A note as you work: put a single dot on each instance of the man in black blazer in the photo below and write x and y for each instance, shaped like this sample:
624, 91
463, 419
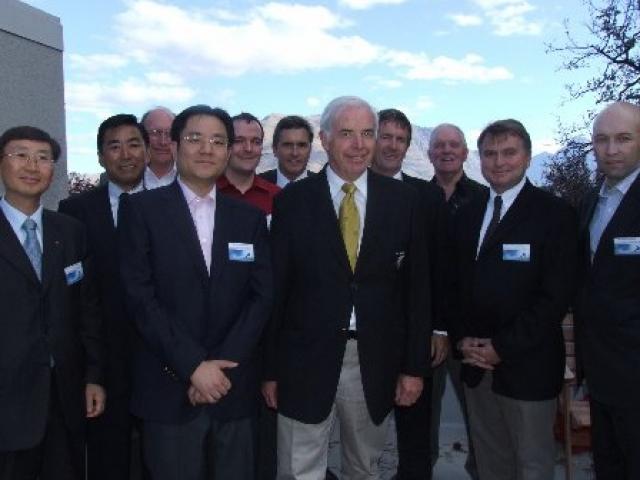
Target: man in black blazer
608, 307
349, 334
292, 140
121, 146
196, 271
413, 422
512, 258
50, 345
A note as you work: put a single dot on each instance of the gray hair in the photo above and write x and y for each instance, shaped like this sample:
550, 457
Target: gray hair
336, 105
159, 107
434, 133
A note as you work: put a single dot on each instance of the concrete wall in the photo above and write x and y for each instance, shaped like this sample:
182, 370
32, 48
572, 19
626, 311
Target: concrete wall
31, 79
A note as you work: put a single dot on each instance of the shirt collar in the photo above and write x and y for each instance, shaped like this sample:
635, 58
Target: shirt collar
622, 186
283, 181
398, 175
151, 174
16, 218
116, 190
509, 196
335, 182
190, 196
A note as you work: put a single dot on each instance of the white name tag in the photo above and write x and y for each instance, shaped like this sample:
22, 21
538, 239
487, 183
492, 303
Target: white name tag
241, 252
626, 246
516, 252
74, 273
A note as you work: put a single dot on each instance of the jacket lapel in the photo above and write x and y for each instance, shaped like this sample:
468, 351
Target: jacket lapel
13, 252
52, 251
176, 208
221, 235
324, 215
373, 218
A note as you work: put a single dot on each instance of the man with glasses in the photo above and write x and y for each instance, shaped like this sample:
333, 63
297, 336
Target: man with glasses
161, 169
50, 346
240, 179
122, 146
196, 270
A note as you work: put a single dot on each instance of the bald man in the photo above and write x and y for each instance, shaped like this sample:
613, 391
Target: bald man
608, 307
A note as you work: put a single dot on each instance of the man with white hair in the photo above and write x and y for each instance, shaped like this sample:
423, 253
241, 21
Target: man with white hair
349, 333
161, 170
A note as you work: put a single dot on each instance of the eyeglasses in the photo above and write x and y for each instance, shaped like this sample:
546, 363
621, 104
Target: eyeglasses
159, 133
199, 139
39, 158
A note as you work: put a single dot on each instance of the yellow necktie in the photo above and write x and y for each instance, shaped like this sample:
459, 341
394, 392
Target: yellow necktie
350, 223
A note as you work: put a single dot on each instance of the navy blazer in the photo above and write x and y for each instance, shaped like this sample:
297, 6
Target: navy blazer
183, 314
518, 304
316, 292
41, 320
607, 309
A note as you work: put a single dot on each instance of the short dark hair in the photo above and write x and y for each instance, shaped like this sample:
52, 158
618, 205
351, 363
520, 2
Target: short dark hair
394, 115
506, 127
120, 120
179, 123
247, 117
289, 123
26, 132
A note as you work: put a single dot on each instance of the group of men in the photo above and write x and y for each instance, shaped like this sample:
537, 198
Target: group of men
186, 284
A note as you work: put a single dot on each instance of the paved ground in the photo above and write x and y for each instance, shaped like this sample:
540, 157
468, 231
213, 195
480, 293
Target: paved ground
453, 450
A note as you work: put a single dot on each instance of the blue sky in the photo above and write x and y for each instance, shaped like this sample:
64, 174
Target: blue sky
466, 62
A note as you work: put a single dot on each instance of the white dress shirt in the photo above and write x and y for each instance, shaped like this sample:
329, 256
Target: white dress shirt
335, 190
16, 219
151, 181
283, 181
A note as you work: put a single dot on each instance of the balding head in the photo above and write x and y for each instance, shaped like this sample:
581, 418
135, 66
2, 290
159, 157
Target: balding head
157, 122
616, 140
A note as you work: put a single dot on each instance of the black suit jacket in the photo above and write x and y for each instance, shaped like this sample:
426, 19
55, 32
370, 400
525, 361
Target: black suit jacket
93, 209
519, 305
316, 291
185, 315
608, 307
41, 320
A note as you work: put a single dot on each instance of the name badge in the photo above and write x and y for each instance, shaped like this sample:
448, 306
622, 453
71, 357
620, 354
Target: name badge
74, 273
626, 246
241, 252
516, 252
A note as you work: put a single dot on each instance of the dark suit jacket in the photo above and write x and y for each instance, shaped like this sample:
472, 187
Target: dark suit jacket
44, 320
608, 308
93, 209
316, 291
272, 175
183, 314
519, 305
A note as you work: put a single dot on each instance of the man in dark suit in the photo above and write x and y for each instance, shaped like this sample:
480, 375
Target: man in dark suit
349, 333
50, 345
413, 422
447, 153
195, 267
292, 140
122, 152
608, 306
513, 256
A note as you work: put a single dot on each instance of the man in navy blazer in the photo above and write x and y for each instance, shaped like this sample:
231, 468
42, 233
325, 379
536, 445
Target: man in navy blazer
349, 335
195, 267
121, 143
608, 306
50, 346
513, 259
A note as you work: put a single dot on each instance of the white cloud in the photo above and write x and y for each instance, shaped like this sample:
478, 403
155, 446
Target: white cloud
463, 20
470, 68
96, 62
365, 4
313, 102
424, 103
382, 82
546, 145
508, 17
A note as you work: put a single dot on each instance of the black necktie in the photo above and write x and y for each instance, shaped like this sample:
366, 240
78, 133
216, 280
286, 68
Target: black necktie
495, 220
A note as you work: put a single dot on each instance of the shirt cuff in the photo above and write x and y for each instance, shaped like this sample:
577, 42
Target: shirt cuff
442, 333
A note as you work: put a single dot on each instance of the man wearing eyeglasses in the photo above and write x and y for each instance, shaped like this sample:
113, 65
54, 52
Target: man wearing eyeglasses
121, 143
50, 346
196, 270
240, 179
161, 169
